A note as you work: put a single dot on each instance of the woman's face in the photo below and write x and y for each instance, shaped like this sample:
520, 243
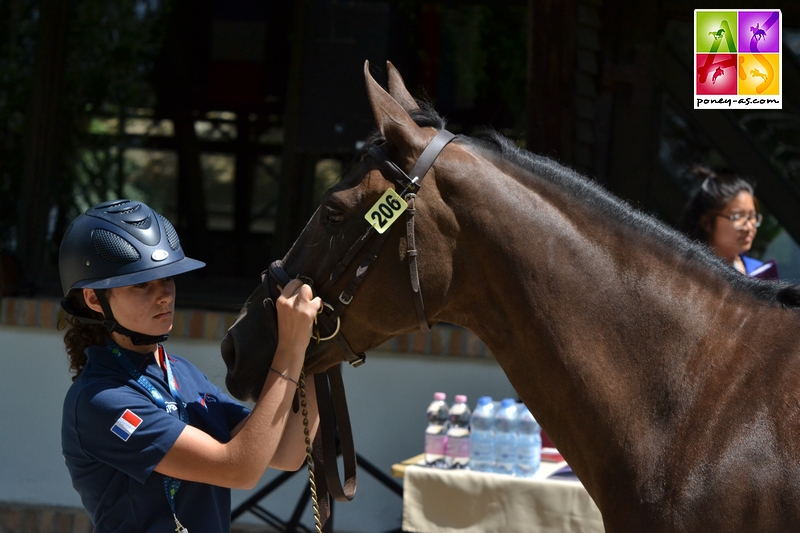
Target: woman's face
145, 308
730, 238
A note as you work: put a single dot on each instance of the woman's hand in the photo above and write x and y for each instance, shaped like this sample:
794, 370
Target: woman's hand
297, 309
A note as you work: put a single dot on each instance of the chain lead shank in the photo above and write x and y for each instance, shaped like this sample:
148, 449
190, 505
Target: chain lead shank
309, 457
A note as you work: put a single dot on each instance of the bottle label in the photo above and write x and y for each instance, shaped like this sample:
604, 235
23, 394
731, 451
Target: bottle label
481, 448
457, 447
435, 444
527, 454
505, 452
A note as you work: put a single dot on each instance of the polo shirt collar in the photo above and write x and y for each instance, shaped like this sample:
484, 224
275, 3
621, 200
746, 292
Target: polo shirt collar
102, 356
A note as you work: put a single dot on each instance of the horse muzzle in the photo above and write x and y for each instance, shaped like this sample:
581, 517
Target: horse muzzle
249, 347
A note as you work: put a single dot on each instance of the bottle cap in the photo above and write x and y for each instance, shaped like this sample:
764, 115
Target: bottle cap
483, 400
507, 402
460, 398
439, 396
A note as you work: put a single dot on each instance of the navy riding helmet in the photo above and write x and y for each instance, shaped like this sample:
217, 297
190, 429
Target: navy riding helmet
115, 244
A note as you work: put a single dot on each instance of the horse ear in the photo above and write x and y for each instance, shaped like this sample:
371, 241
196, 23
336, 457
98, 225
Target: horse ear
397, 88
393, 121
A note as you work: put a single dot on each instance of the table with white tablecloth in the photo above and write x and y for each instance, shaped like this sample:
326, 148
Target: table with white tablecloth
450, 501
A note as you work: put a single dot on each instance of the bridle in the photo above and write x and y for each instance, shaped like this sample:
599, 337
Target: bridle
331, 321
330, 390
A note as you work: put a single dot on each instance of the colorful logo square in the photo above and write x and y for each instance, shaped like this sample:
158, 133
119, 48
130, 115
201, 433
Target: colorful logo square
716, 31
716, 73
759, 74
759, 32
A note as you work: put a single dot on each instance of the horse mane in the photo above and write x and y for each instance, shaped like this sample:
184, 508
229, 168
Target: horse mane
593, 194
590, 192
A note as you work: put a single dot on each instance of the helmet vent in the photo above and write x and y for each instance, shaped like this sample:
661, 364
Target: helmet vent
172, 235
139, 223
118, 209
114, 248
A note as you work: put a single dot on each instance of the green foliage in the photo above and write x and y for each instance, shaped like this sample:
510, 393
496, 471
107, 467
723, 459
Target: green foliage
17, 49
111, 50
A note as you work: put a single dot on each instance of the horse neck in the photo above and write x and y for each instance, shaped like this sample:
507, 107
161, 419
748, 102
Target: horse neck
596, 325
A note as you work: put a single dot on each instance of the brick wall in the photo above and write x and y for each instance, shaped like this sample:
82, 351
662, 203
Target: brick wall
443, 340
22, 518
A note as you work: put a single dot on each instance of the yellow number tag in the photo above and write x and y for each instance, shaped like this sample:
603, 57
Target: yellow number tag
386, 210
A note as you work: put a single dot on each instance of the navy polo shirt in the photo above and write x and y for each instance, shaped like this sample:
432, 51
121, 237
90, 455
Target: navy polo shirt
113, 435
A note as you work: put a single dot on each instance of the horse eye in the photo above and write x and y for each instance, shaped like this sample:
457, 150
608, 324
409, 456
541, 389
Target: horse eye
335, 216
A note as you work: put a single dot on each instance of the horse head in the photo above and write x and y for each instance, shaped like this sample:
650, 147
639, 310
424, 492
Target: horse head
384, 305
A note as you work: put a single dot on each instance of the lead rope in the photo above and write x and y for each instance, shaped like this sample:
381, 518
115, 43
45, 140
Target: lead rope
309, 458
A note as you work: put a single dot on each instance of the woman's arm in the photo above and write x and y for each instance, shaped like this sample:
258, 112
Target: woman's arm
240, 463
291, 452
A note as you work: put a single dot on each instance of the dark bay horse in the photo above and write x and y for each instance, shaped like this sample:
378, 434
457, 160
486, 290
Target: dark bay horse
669, 382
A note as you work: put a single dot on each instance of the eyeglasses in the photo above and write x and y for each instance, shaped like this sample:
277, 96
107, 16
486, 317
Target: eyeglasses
739, 220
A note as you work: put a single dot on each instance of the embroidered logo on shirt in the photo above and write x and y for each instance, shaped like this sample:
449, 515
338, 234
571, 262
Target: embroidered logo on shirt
204, 399
126, 425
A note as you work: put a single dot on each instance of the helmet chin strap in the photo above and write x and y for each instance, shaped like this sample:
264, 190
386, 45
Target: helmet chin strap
112, 326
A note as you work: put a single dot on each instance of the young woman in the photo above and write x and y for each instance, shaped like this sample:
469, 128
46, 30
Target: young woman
150, 443
722, 212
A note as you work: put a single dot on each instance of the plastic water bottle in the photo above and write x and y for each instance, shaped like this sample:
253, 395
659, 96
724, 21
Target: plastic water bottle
457, 448
529, 444
505, 436
481, 436
436, 432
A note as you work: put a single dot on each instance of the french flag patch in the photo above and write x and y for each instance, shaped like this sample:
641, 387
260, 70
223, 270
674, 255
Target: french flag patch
126, 425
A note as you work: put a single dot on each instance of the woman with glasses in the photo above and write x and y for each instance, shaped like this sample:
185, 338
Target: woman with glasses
723, 212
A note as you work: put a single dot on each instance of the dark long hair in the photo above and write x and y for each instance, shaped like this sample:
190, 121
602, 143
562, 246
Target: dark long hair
80, 336
711, 196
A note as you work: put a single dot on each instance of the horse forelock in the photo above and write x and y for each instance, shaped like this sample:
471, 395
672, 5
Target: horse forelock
425, 117
593, 195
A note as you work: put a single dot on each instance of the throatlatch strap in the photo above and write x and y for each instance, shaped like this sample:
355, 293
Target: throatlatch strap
412, 263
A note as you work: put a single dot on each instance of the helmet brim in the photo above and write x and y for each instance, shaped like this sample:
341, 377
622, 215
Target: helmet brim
165, 271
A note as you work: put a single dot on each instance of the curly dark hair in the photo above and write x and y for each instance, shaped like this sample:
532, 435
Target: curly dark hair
80, 336
711, 195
